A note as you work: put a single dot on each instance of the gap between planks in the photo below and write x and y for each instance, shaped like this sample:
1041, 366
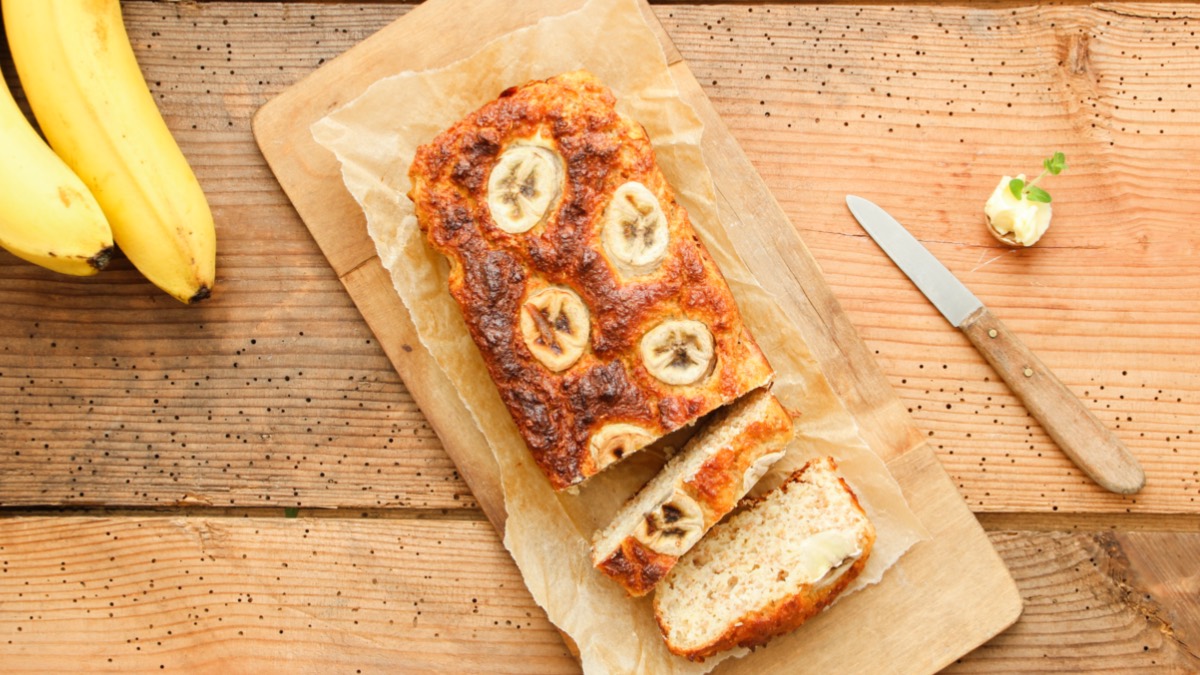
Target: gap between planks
1089, 522
855, 3
332, 513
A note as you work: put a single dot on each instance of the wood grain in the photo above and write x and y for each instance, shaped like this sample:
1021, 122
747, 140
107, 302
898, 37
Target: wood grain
321, 595
273, 393
1097, 299
1098, 601
266, 594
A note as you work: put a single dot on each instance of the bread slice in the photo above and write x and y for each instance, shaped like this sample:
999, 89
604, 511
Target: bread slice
695, 489
768, 568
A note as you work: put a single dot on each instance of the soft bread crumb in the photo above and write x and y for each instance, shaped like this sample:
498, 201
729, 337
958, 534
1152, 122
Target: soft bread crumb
769, 566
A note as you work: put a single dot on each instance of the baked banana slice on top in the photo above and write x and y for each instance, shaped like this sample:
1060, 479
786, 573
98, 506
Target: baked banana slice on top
602, 319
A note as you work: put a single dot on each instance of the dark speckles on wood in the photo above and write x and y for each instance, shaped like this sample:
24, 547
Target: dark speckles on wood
162, 587
160, 419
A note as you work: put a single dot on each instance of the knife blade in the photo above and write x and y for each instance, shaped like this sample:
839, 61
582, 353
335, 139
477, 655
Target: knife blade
1091, 445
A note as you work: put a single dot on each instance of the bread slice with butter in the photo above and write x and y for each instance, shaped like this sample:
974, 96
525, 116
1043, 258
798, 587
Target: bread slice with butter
696, 488
768, 568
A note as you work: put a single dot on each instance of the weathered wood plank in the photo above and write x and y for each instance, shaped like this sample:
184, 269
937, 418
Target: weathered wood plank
203, 594
319, 595
1104, 601
82, 391
922, 108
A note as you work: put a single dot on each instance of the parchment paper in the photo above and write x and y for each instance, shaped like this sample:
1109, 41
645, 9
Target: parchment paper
375, 137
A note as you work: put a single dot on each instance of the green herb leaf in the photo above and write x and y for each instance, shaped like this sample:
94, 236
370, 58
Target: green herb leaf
291, 512
1016, 186
1056, 164
1037, 194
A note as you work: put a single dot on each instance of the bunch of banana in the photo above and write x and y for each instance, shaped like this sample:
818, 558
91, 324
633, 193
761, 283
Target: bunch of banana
47, 215
89, 97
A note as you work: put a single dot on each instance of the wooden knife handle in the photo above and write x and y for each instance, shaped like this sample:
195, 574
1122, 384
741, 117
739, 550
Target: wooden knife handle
1091, 445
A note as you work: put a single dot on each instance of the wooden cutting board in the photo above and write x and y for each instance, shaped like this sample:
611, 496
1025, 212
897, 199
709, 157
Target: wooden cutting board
942, 599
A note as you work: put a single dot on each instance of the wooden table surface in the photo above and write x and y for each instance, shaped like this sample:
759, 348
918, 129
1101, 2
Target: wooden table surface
246, 485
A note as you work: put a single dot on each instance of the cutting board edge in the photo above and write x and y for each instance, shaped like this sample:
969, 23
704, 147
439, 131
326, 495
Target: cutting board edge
1009, 604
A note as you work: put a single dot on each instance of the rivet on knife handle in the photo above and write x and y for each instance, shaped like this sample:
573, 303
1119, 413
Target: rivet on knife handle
1091, 445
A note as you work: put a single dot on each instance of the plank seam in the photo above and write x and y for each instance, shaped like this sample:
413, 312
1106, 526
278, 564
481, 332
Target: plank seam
459, 514
1089, 522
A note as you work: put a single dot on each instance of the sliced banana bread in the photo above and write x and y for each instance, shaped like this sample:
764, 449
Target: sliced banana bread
768, 568
695, 489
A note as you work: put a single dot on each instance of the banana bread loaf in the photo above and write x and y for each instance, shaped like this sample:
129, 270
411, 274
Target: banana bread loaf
600, 315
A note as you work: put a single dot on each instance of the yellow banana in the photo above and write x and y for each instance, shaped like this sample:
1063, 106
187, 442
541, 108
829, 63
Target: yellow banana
47, 215
92, 103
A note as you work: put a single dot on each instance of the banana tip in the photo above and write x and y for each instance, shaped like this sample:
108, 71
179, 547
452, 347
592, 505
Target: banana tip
203, 293
100, 260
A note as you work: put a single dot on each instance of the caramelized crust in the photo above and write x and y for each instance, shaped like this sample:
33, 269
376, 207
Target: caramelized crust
493, 273
637, 567
756, 629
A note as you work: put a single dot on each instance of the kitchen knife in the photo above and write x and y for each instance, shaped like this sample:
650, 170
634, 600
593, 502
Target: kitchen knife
1081, 436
